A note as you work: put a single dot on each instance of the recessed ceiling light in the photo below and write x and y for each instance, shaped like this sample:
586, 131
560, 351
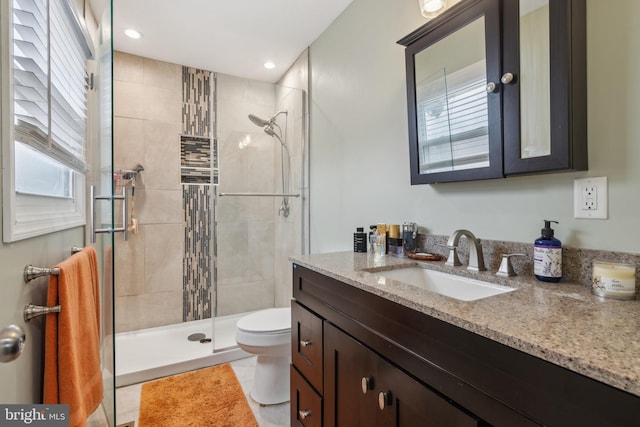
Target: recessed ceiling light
269, 65
132, 33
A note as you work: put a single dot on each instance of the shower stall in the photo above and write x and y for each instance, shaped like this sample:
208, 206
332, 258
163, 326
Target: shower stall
221, 204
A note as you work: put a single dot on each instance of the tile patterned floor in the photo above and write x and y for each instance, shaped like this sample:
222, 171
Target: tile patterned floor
128, 399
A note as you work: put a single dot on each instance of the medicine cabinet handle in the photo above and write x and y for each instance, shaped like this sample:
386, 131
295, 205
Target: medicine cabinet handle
305, 343
507, 78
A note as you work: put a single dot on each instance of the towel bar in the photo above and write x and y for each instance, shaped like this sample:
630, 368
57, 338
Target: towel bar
31, 311
31, 272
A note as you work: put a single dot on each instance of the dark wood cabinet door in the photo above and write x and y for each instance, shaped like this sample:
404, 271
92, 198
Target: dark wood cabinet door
362, 389
566, 135
405, 402
349, 375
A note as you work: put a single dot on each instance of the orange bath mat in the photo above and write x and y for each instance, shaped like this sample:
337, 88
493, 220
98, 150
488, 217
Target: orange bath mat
207, 397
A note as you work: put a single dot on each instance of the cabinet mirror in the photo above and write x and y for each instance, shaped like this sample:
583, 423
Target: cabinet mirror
497, 88
454, 115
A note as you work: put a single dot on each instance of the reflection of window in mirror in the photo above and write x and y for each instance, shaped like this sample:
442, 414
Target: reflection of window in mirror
535, 92
451, 107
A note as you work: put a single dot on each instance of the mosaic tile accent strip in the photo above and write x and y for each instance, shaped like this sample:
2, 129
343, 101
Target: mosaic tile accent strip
196, 111
197, 262
195, 160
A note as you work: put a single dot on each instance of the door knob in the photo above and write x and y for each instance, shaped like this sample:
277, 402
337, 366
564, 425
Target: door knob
305, 343
12, 340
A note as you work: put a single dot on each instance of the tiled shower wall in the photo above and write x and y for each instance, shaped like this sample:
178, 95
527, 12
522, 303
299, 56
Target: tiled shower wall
163, 273
147, 128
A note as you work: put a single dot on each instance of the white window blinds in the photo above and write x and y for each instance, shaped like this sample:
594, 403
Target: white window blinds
452, 120
50, 56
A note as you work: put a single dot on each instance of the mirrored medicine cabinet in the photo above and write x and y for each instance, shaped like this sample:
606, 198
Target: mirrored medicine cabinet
497, 88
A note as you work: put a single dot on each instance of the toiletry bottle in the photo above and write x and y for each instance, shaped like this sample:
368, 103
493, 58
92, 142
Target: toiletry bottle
384, 234
372, 232
547, 255
395, 240
360, 240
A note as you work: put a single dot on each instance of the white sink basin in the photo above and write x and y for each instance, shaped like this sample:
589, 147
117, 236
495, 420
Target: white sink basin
461, 288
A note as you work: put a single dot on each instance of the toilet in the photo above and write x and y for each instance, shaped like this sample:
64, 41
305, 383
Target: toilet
267, 334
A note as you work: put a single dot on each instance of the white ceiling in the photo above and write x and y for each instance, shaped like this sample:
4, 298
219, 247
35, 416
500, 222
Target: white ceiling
233, 37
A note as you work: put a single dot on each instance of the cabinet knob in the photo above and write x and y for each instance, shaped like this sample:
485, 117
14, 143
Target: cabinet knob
305, 343
491, 87
366, 384
506, 78
304, 413
384, 400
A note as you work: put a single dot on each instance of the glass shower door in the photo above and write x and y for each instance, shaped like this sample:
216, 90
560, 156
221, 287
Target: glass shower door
102, 180
260, 199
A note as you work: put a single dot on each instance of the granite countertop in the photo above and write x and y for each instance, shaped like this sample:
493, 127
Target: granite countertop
562, 323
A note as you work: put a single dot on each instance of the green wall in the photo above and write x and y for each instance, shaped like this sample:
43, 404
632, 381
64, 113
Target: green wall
359, 172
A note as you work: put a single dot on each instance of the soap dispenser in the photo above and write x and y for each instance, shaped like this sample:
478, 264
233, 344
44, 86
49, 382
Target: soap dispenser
547, 255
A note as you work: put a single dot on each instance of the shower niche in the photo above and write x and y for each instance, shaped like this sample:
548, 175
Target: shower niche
198, 160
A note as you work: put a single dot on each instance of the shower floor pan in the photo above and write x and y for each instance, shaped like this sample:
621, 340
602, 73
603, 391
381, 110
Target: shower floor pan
153, 353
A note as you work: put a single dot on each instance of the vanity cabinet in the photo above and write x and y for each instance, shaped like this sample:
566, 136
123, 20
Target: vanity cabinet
364, 389
497, 88
385, 364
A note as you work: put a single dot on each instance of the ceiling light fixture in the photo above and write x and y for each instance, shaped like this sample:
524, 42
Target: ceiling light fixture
269, 65
432, 8
132, 33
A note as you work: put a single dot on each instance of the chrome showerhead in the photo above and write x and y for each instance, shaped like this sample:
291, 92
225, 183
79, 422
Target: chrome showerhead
258, 121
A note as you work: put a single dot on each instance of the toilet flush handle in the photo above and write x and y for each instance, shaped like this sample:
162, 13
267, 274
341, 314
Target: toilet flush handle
305, 343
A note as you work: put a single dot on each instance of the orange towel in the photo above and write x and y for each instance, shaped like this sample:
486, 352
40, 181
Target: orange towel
72, 338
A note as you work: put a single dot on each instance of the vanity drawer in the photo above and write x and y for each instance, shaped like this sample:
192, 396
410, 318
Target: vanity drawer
306, 344
306, 404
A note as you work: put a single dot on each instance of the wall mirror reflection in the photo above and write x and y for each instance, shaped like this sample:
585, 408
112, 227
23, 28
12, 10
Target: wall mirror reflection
534, 76
451, 102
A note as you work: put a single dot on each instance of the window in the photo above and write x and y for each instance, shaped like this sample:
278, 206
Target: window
45, 118
452, 120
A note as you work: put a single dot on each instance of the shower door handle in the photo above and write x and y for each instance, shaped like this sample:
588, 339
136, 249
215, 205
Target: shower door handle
125, 215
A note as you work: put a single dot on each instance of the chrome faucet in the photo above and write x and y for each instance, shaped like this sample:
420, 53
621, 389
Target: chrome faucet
476, 259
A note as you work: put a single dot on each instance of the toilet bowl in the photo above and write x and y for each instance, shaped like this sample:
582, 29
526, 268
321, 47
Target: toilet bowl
267, 334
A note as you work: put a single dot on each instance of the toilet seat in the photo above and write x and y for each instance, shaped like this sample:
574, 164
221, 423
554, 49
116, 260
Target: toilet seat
266, 328
268, 321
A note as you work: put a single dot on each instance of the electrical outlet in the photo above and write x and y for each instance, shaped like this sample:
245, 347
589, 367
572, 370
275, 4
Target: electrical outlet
590, 198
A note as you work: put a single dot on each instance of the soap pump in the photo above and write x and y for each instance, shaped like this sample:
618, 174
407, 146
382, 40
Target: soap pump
547, 255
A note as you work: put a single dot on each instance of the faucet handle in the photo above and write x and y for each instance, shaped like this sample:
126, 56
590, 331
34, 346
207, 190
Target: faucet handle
452, 259
506, 268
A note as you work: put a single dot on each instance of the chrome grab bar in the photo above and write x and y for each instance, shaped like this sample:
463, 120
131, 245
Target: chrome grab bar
32, 311
125, 215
